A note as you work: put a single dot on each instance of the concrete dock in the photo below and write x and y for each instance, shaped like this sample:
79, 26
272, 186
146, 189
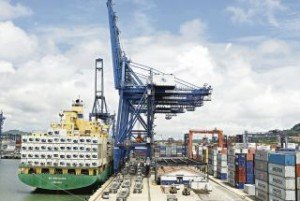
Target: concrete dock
153, 192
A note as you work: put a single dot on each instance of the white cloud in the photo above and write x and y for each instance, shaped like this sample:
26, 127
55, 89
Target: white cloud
15, 43
6, 67
9, 11
256, 11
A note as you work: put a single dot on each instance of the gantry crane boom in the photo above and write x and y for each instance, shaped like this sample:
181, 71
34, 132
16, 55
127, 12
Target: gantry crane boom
145, 90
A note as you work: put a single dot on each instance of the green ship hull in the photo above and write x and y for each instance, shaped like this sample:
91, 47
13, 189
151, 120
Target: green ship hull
64, 181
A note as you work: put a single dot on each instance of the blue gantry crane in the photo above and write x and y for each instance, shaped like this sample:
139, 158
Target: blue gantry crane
144, 92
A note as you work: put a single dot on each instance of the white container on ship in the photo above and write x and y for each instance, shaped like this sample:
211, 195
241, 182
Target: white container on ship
43, 162
261, 185
24, 161
81, 148
88, 156
281, 170
49, 162
282, 193
35, 162
62, 156
261, 195
55, 155
62, 163
30, 162
282, 182
50, 147
56, 147
88, 147
69, 155
95, 140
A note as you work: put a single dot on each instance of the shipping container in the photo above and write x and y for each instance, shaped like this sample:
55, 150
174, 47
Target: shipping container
298, 171
287, 159
261, 195
280, 170
262, 185
261, 155
282, 193
261, 165
250, 178
261, 175
274, 198
281, 182
222, 176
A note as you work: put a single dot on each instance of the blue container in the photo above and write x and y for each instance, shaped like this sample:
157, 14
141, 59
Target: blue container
239, 185
250, 179
285, 159
240, 156
222, 176
240, 163
249, 167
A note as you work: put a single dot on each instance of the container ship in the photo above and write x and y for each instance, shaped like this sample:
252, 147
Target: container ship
73, 154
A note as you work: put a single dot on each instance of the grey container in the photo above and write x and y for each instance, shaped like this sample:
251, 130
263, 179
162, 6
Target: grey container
261, 165
298, 184
261, 175
274, 198
281, 170
261, 155
261, 195
282, 193
282, 182
261, 185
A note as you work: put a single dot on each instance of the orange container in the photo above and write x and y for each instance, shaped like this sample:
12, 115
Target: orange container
250, 154
298, 170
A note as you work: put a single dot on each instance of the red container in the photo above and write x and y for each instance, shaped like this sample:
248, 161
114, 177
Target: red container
240, 178
240, 175
298, 170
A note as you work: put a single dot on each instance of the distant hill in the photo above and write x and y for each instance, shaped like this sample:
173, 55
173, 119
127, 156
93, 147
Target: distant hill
294, 131
15, 132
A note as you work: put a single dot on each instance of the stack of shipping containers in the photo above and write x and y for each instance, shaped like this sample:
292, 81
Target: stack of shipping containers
222, 168
261, 175
237, 167
240, 170
282, 181
250, 166
212, 161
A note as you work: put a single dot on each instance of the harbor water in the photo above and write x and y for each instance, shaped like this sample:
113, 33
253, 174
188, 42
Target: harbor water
11, 189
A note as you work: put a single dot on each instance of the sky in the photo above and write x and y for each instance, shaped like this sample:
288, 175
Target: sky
247, 50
